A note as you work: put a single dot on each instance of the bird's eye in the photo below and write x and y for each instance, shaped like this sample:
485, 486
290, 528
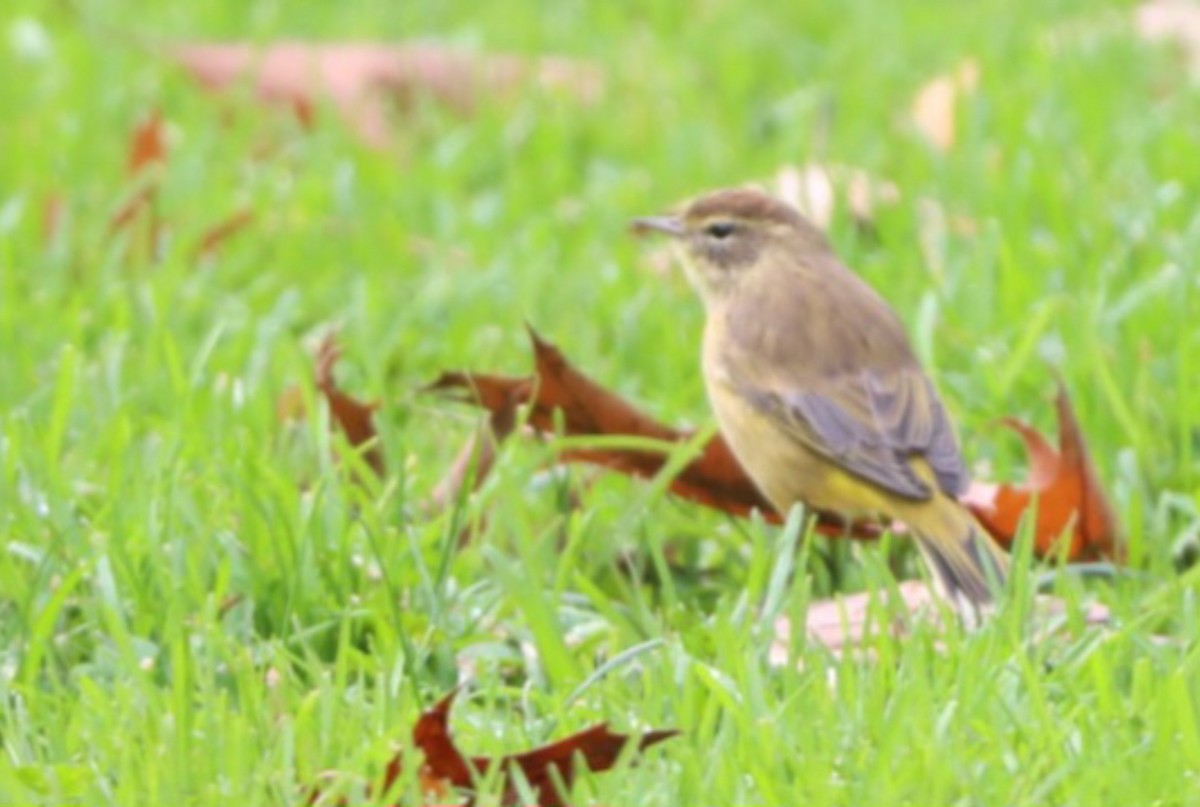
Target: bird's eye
719, 230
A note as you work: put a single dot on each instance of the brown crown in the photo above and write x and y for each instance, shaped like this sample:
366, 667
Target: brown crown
745, 204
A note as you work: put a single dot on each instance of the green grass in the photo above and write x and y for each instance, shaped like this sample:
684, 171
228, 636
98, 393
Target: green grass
199, 606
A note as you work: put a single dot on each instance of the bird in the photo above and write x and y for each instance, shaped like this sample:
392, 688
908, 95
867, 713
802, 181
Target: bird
816, 387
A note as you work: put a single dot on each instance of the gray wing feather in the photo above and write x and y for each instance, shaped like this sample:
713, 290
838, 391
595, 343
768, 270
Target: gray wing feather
873, 425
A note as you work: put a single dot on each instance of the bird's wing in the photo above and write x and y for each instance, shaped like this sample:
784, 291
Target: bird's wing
872, 423
826, 358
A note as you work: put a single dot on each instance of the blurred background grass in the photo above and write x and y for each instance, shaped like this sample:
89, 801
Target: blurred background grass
196, 605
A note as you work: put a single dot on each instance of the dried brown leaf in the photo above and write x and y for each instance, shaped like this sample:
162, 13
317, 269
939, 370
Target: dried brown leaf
846, 622
1071, 502
714, 478
146, 156
935, 108
147, 145
215, 236
1173, 21
819, 191
475, 459
355, 418
1066, 482
364, 80
597, 748
544, 768
54, 213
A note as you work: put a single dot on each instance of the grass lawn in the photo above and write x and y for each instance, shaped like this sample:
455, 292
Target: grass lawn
200, 605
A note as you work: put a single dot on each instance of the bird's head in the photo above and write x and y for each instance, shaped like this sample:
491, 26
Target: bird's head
726, 235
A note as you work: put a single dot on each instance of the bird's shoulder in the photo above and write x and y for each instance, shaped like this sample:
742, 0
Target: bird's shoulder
812, 325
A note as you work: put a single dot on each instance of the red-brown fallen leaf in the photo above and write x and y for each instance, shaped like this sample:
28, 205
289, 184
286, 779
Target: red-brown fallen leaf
475, 459
589, 409
363, 79
1067, 491
54, 209
848, 621
139, 215
219, 233
597, 748
147, 149
355, 418
1065, 481
132, 208
714, 478
543, 768
147, 145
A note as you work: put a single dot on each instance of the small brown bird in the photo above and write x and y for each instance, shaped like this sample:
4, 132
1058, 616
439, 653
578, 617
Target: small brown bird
816, 388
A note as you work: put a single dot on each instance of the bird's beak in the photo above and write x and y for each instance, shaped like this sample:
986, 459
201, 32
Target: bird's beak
661, 224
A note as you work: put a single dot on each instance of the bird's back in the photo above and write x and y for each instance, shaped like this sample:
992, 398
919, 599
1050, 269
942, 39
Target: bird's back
814, 323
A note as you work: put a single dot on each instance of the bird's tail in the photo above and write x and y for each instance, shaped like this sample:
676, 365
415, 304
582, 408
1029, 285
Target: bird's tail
965, 562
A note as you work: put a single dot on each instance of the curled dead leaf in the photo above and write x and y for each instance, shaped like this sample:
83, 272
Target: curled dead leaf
132, 208
215, 236
934, 110
474, 460
147, 144
364, 80
809, 189
1172, 21
146, 157
715, 478
846, 622
818, 191
597, 748
544, 768
54, 214
1072, 508
355, 418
